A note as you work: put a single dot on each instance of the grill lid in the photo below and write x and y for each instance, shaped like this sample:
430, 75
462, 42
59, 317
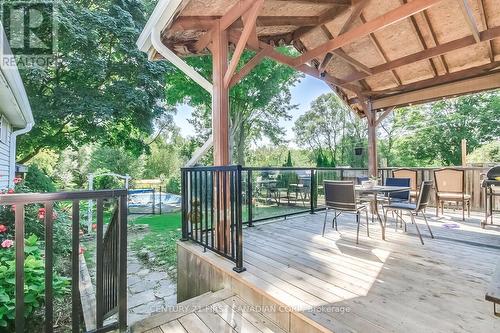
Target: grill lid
493, 173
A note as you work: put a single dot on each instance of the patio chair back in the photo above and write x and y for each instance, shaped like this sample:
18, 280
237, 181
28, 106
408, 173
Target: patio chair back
403, 182
340, 195
362, 179
450, 180
424, 195
407, 173
306, 181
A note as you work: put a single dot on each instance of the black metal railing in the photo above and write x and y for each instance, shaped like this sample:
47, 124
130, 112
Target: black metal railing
265, 193
212, 210
111, 256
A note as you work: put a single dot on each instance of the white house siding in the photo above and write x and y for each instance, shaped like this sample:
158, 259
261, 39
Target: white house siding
5, 154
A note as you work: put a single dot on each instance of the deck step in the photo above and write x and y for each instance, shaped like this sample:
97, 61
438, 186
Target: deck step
182, 309
221, 311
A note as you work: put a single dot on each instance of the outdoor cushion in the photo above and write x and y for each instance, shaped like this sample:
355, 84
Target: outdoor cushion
454, 196
402, 205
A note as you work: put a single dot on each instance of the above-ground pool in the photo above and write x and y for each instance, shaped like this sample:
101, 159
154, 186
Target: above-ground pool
143, 201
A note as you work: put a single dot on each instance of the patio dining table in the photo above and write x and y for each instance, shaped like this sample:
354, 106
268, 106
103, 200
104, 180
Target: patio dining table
375, 191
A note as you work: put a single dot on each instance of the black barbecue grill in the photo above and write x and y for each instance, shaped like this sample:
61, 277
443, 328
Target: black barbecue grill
489, 184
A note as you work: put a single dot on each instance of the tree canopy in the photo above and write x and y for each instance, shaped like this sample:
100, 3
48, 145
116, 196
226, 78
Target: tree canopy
431, 134
331, 131
101, 88
257, 103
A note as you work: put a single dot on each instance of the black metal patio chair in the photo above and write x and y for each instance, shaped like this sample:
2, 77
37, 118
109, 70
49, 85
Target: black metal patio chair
341, 197
412, 208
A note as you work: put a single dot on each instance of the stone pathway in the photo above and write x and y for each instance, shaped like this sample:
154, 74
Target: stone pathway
149, 291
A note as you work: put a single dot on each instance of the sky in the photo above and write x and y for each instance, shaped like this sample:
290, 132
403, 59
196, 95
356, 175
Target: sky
303, 94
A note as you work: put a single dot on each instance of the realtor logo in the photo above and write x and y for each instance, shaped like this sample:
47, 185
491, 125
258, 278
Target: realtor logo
31, 30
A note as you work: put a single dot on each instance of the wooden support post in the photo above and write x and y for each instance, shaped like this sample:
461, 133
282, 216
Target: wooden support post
464, 152
372, 139
220, 99
220, 129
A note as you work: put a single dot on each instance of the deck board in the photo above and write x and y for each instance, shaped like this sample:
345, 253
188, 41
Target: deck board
389, 286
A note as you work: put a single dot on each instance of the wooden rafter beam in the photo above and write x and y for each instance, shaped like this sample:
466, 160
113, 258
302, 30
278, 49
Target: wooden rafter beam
381, 52
234, 13
484, 21
324, 18
462, 87
365, 29
324, 63
421, 40
429, 53
247, 68
331, 2
206, 22
242, 42
469, 18
383, 116
356, 11
287, 60
442, 79
429, 27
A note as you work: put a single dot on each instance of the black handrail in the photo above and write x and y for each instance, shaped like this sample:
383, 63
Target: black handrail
115, 243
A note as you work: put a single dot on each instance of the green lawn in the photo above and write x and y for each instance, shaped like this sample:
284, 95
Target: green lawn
164, 231
160, 223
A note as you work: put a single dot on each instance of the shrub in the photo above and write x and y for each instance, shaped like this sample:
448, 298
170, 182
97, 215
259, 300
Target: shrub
37, 181
174, 184
34, 285
34, 222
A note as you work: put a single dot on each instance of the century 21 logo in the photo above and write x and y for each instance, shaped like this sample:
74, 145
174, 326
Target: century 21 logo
30, 27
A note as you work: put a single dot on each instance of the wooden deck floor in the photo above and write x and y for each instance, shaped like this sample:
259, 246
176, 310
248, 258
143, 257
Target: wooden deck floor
222, 311
397, 285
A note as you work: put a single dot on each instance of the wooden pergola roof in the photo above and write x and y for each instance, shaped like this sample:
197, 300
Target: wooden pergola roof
390, 52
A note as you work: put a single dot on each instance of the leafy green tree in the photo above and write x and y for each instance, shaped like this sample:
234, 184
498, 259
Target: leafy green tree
101, 88
488, 153
257, 103
431, 134
288, 162
329, 129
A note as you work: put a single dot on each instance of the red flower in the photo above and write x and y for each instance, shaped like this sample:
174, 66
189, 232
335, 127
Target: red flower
10, 191
41, 213
94, 226
17, 180
3, 228
7, 243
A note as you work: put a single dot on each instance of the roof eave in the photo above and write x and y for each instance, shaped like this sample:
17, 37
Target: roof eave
162, 16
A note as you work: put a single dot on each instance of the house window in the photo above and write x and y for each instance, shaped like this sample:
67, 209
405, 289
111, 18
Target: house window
3, 129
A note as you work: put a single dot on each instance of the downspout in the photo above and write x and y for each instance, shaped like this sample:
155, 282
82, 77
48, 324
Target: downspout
13, 141
190, 72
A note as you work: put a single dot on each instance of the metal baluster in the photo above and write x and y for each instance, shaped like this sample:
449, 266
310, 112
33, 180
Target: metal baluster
224, 205
239, 225
232, 214
195, 207
250, 198
49, 263
75, 268
99, 264
206, 208
184, 206
19, 238
122, 262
